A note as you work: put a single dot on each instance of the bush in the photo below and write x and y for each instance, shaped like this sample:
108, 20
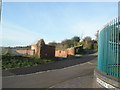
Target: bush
95, 47
88, 46
10, 61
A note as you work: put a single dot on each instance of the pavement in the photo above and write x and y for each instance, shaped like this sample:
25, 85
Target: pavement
75, 75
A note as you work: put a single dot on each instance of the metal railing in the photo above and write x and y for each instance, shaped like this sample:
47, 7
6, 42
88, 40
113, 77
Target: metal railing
109, 48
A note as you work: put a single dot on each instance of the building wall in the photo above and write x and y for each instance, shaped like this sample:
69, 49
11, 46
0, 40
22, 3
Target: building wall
61, 53
68, 52
64, 53
42, 50
47, 52
71, 51
50, 50
34, 47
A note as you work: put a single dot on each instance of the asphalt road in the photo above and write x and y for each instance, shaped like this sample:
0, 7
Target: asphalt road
59, 64
75, 76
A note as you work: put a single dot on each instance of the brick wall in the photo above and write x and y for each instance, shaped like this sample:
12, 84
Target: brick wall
61, 53
47, 51
71, 51
34, 47
25, 52
42, 50
65, 53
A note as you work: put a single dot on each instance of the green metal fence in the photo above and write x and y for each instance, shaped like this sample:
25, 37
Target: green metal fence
109, 48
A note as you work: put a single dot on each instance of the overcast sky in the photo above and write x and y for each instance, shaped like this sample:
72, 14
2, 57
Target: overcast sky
25, 22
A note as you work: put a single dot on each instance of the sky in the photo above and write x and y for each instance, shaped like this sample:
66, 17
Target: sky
23, 23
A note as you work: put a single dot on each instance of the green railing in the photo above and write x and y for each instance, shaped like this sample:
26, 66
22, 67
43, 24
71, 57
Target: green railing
109, 48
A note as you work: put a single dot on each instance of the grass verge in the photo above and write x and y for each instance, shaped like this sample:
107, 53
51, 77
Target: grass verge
12, 61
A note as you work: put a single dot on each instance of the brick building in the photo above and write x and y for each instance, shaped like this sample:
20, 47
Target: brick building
69, 52
61, 53
42, 50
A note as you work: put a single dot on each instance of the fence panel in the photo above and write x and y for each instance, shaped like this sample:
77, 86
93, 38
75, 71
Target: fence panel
109, 48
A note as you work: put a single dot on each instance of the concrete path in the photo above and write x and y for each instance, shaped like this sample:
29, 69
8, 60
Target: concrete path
77, 76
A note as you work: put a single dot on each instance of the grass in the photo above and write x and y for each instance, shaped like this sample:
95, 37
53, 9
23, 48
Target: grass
12, 61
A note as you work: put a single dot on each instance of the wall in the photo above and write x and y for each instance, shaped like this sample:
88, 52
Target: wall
47, 52
25, 52
42, 50
64, 53
61, 53
71, 51
34, 47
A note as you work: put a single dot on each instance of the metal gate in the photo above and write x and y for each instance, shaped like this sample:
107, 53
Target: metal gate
109, 48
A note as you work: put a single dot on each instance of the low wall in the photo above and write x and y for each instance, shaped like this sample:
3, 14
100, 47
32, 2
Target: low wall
25, 52
106, 81
18, 51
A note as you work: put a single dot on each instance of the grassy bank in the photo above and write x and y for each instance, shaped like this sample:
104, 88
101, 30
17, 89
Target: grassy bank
11, 61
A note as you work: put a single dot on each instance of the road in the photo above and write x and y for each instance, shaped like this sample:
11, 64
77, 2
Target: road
76, 76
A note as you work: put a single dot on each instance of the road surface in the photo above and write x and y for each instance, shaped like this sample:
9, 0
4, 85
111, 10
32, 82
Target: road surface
76, 76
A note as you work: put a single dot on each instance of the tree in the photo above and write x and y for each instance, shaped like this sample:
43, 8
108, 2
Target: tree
76, 39
88, 44
87, 39
52, 43
68, 42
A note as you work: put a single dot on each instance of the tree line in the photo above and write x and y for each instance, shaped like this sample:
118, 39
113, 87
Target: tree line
87, 43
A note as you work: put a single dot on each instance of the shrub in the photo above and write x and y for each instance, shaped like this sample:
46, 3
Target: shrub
10, 61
